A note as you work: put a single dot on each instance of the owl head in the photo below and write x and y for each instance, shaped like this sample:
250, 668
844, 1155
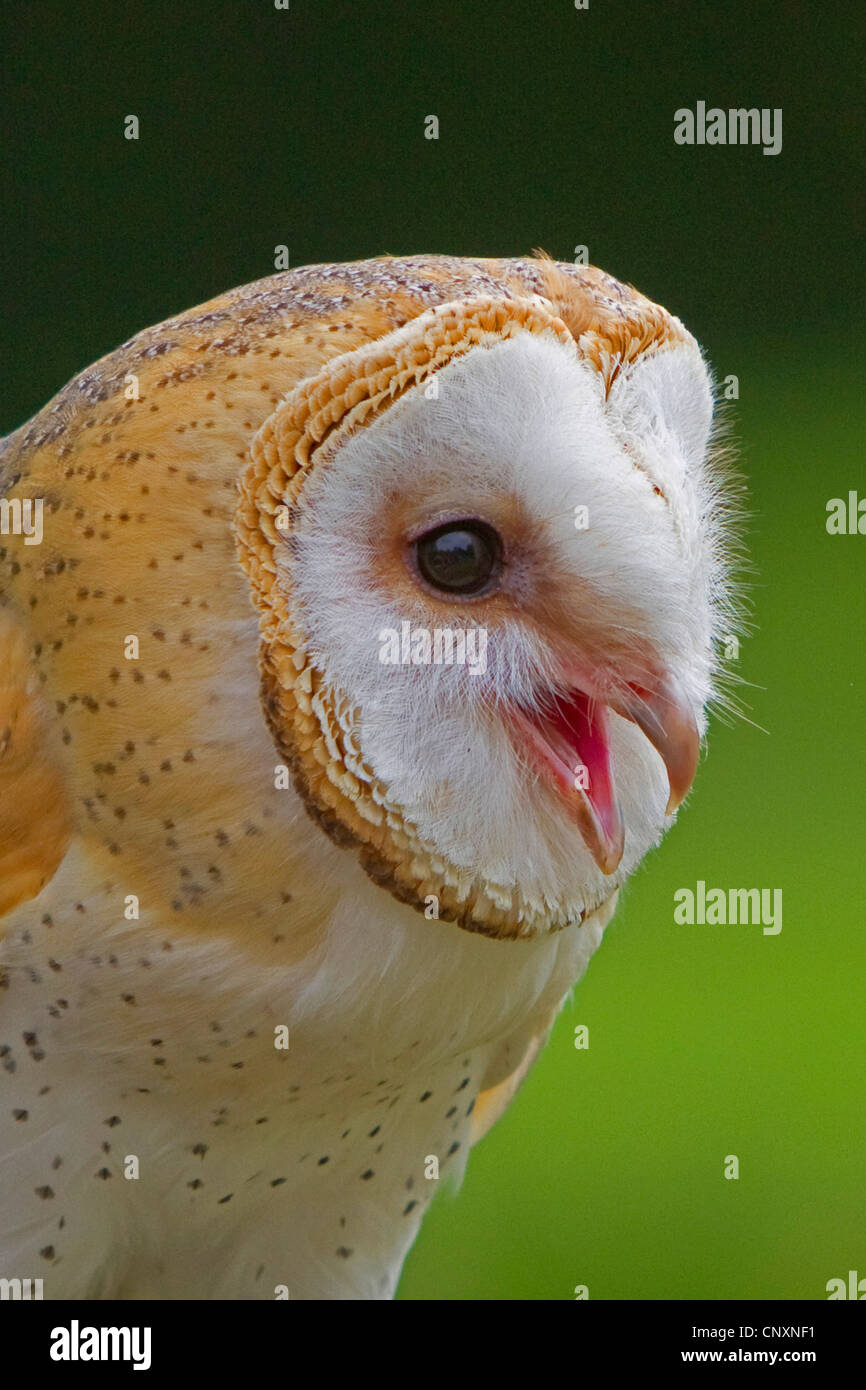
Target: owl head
487, 554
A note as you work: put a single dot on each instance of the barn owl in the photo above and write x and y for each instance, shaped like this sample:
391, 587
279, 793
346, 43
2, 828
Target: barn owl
292, 889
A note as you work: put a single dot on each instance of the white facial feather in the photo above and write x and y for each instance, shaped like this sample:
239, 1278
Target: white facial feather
525, 422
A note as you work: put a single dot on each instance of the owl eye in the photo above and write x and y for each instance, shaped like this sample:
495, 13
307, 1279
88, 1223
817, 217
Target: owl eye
461, 557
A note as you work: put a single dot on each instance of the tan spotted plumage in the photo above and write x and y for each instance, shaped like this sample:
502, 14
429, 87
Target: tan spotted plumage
172, 472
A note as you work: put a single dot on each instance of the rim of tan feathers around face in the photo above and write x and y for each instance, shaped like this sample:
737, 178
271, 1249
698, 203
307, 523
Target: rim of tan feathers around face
314, 726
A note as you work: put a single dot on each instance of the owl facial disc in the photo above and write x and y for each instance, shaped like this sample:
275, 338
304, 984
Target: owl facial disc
405, 807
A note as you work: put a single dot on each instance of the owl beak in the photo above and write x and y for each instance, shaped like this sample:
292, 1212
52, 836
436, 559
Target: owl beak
665, 716
570, 743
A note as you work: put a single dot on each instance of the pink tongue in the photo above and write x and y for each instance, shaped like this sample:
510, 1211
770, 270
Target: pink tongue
587, 737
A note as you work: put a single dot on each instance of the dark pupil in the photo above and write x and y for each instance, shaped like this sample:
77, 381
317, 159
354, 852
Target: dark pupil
459, 559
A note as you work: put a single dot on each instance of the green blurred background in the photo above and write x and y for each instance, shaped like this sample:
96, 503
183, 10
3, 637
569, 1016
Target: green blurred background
305, 127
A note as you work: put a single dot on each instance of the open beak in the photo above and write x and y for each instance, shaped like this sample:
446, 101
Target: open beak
570, 743
665, 716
